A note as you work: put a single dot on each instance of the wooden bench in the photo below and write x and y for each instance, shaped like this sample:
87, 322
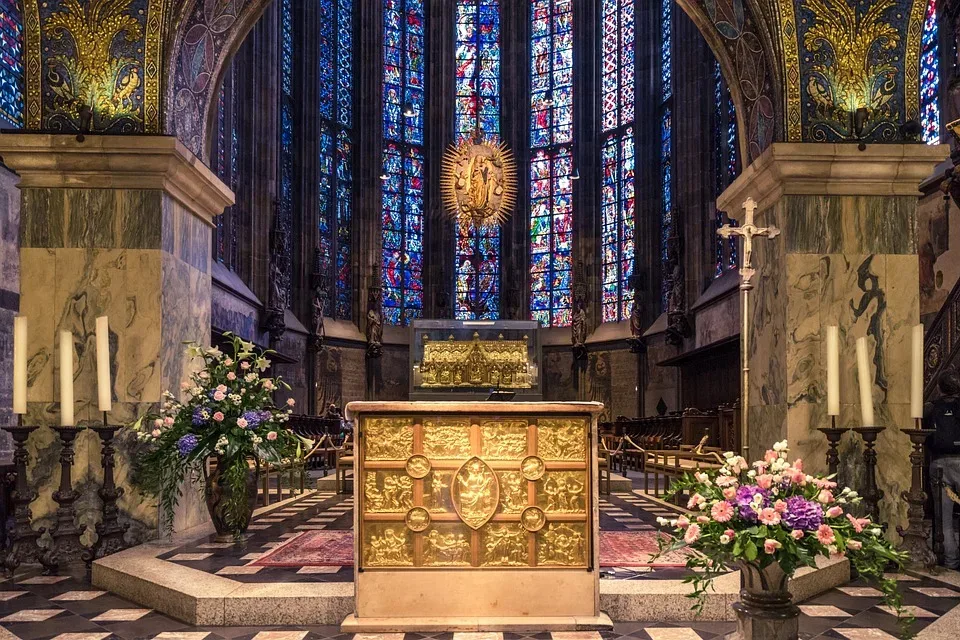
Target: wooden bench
673, 463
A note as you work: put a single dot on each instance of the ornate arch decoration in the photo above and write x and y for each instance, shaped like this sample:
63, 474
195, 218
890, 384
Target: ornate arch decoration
207, 35
105, 54
738, 38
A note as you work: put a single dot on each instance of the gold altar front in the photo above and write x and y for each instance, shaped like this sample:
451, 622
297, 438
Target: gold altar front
473, 512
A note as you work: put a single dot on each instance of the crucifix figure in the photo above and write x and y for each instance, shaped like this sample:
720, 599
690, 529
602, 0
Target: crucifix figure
747, 231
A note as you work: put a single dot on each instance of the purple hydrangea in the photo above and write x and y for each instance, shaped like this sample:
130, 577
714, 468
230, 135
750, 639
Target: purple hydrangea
186, 444
745, 495
253, 418
802, 514
200, 416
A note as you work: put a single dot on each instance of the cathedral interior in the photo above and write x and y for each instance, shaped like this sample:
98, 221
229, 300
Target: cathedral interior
661, 206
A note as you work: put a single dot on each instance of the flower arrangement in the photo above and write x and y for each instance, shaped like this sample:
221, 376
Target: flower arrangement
775, 512
227, 413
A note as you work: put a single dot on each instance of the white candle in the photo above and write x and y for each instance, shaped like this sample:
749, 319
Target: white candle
833, 371
103, 364
866, 384
66, 379
916, 373
20, 364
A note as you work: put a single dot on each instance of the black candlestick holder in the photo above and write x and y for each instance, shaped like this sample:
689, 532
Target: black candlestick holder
916, 534
110, 531
872, 494
66, 544
22, 538
834, 435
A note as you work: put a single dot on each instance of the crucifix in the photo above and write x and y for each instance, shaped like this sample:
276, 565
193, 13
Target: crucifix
747, 231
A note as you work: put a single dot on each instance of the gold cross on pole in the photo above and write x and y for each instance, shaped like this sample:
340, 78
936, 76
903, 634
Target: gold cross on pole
747, 231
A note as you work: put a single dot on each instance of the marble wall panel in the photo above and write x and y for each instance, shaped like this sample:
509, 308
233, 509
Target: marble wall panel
186, 236
848, 224
9, 233
938, 242
185, 317
230, 313
768, 318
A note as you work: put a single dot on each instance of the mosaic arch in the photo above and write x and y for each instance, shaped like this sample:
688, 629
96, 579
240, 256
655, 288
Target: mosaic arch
210, 31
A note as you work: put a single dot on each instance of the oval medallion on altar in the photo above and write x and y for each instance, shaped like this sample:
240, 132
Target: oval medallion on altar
476, 492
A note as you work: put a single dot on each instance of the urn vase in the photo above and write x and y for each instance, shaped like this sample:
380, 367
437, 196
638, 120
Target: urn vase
766, 610
219, 495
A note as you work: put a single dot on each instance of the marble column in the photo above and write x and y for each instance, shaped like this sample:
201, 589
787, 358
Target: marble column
846, 256
121, 226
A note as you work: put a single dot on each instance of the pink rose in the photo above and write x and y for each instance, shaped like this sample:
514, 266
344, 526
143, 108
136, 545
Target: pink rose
770, 546
218, 395
231, 376
683, 522
703, 519
858, 523
730, 532
834, 512
730, 493
855, 545
242, 423
244, 365
291, 402
692, 534
779, 506
155, 433
228, 362
158, 422
694, 501
825, 535
798, 464
722, 511
797, 477
218, 416
765, 481
268, 384
272, 435
222, 388
796, 534
168, 421
769, 517
825, 497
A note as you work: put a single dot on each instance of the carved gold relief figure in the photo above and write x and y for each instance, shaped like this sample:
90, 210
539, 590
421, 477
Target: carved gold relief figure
387, 546
417, 519
503, 545
479, 182
435, 494
562, 439
532, 468
562, 492
447, 439
513, 492
561, 544
445, 546
388, 438
533, 519
476, 363
418, 466
506, 440
387, 492
475, 492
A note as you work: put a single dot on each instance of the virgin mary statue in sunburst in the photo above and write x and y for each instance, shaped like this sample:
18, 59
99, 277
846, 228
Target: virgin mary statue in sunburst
479, 182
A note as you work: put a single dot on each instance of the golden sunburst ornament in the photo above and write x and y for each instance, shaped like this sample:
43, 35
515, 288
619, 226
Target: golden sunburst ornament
479, 182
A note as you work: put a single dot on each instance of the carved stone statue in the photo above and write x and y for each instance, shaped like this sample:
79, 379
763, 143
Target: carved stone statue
317, 331
677, 326
578, 323
277, 302
636, 339
375, 316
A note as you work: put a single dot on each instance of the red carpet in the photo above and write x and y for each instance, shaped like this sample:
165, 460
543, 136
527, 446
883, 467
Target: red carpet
335, 548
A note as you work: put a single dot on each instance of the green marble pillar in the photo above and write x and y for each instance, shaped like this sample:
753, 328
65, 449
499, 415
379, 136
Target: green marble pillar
118, 226
846, 256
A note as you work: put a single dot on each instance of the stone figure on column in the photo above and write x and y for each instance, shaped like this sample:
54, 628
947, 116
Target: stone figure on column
677, 326
278, 301
320, 298
636, 340
375, 315
578, 324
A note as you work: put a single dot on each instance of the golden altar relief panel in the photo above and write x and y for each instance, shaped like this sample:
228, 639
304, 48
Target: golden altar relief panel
436, 492
532, 468
418, 466
562, 492
417, 519
563, 544
475, 492
446, 439
475, 363
388, 438
533, 519
513, 492
447, 545
387, 545
503, 439
562, 439
387, 491
504, 545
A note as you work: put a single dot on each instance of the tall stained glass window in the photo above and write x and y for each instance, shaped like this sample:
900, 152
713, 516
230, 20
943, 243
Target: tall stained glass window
11, 62
725, 149
285, 200
477, 113
551, 161
402, 177
617, 157
930, 76
226, 152
666, 130
335, 211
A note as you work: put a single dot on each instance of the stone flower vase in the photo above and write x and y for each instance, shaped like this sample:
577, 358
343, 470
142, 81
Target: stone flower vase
217, 494
766, 610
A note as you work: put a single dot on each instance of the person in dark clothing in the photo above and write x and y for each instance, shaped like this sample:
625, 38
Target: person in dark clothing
943, 414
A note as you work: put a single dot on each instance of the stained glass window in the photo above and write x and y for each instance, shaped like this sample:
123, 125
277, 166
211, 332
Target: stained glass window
617, 157
225, 154
930, 76
11, 62
666, 130
551, 166
334, 215
402, 176
477, 112
285, 199
725, 150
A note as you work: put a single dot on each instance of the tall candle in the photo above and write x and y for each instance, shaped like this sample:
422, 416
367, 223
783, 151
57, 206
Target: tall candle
66, 379
20, 364
833, 371
866, 384
916, 373
103, 364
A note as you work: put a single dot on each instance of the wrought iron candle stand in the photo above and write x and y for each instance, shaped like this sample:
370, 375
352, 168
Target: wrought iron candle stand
872, 494
916, 534
22, 539
66, 534
110, 531
834, 435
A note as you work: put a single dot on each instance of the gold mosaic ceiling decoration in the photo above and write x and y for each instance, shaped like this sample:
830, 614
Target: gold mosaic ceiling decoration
479, 182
